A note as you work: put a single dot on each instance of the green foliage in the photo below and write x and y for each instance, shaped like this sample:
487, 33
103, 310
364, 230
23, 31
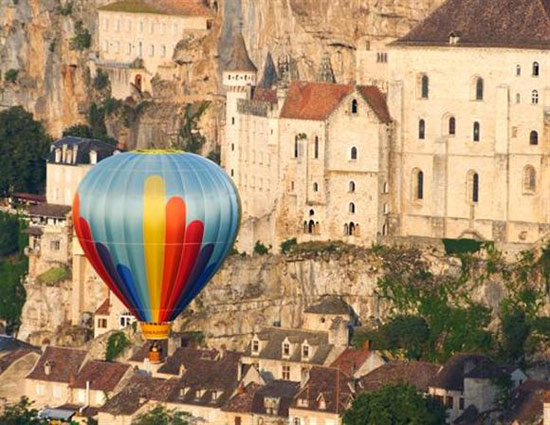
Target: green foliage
9, 233
505, 385
197, 337
190, 138
23, 147
461, 246
288, 245
116, 344
82, 38
160, 415
11, 75
79, 130
325, 247
65, 9
398, 404
12, 292
214, 156
260, 248
53, 276
101, 80
20, 413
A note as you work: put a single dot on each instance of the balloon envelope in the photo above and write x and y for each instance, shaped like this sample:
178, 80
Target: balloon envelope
156, 227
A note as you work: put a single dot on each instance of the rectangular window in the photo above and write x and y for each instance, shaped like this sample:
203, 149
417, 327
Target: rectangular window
449, 403
55, 245
39, 389
461, 403
286, 349
286, 373
255, 346
102, 323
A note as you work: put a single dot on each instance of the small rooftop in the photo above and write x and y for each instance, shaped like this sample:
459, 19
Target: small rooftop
85, 146
159, 7
102, 376
452, 374
49, 210
239, 59
58, 364
418, 374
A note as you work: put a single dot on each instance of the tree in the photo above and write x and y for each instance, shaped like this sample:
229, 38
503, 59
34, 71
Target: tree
9, 233
23, 147
190, 138
82, 38
79, 130
162, 416
20, 413
116, 344
398, 404
409, 333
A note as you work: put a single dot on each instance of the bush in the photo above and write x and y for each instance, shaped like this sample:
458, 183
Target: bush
288, 245
82, 39
11, 75
53, 276
261, 249
461, 246
101, 80
116, 344
79, 130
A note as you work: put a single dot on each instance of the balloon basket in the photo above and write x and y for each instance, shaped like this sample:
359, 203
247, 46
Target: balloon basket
155, 331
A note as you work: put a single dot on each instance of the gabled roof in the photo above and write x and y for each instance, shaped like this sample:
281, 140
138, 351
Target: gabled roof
102, 376
274, 338
330, 304
332, 384
49, 210
159, 7
102, 149
414, 373
494, 23
8, 358
104, 308
451, 376
64, 364
351, 360
527, 402
239, 59
317, 100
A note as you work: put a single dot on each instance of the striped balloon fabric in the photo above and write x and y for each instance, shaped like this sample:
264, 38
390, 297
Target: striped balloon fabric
156, 226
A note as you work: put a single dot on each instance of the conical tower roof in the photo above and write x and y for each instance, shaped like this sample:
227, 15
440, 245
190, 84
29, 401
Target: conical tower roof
239, 59
270, 77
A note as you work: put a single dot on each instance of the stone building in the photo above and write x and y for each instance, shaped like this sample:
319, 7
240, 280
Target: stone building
288, 354
137, 38
305, 156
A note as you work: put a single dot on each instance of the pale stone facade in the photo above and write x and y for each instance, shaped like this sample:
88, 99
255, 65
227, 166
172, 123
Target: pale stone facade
134, 43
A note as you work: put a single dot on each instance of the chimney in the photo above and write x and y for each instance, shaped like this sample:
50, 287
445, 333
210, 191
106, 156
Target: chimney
241, 389
87, 393
366, 345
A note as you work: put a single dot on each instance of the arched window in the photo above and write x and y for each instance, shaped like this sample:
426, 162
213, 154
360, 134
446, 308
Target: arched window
452, 126
315, 187
418, 184
533, 138
529, 179
386, 188
353, 153
421, 129
351, 187
316, 148
518, 70
472, 183
535, 69
425, 87
354, 106
311, 213
351, 207
296, 147
534, 97
479, 89
351, 229
311, 227
477, 132
385, 230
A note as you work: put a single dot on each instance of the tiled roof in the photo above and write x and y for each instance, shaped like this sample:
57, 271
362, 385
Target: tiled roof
49, 210
527, 403
135, 394
262, 94
274, 338
64, 364
30, 197
451, 376
239, 59
102, 149
186, 357
414, 373
351, 360
330, 304
102, 376
497, 23
317, 100
160, 7
253, 398
329, 384
104, 308
10, 357
34, 231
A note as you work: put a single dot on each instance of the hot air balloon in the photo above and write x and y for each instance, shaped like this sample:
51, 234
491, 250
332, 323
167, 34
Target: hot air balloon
156, 226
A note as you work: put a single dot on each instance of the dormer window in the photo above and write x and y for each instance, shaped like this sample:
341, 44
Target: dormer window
183, 391
286, 349
255, 346
322, 403
305, 352
215, 395
303, 402
58, 155
454, 37
354, 106
199, 394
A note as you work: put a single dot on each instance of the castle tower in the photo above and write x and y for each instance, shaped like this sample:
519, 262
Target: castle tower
239, 78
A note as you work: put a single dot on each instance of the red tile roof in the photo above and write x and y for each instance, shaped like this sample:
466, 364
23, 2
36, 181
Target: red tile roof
498, 23
102, 376
262, 94
351, 360
104, 308
317, 100
64, 364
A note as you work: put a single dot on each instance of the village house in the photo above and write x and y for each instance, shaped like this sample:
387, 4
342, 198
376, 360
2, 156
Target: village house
530, 404
49, 381
137, 37
288, 354
16, 361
